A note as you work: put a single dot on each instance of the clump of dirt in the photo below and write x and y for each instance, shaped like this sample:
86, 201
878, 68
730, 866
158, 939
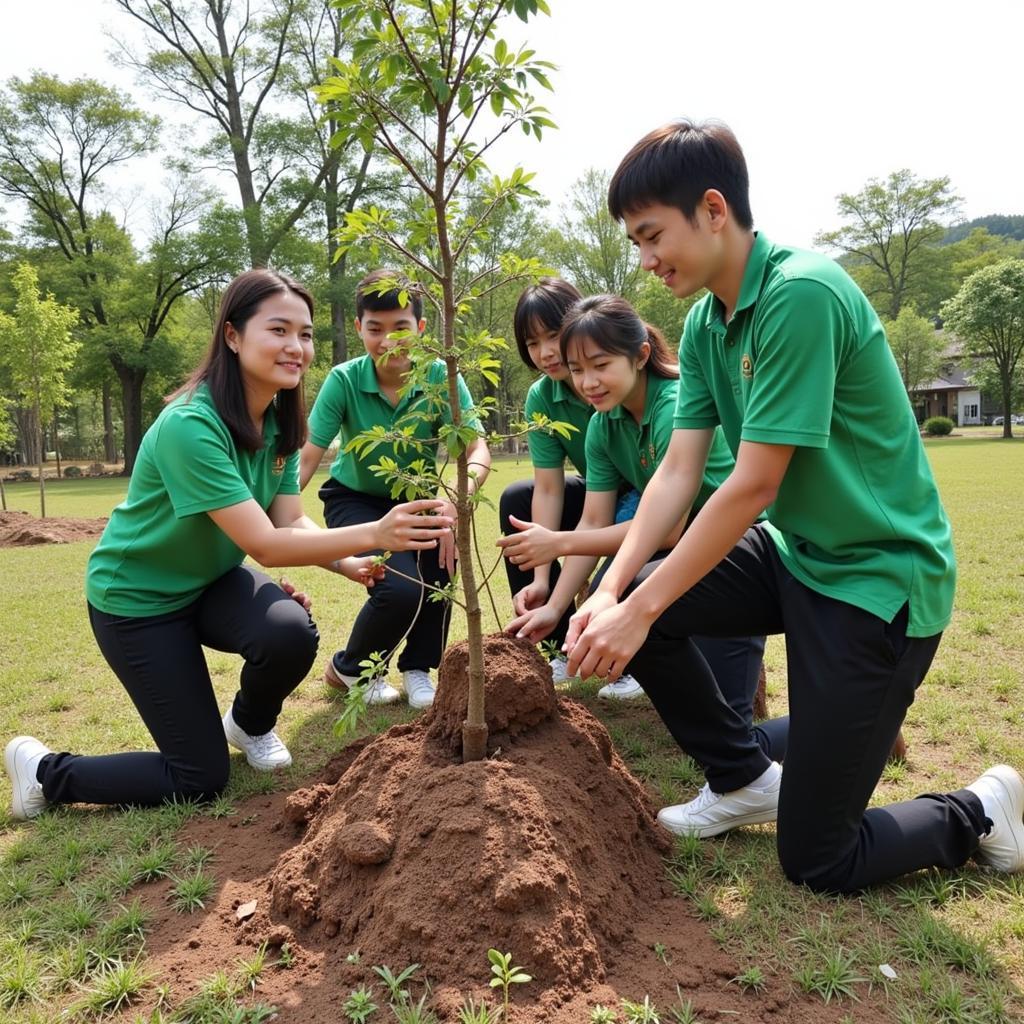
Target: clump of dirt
547, 848
21, 529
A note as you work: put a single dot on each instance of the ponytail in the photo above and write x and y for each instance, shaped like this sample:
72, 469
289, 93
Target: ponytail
614, 326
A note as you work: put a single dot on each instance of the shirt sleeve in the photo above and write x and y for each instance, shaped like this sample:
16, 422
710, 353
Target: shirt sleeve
194, 458
601, 472
695, 405
328, 410
798, 340
546, 451
290, 477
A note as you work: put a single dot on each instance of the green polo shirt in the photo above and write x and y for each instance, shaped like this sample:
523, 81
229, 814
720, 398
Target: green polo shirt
804, 361
160, 550
350, 402
557, 400
621, 450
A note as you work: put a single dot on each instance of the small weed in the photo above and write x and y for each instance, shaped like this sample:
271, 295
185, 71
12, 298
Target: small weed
687, 850
414, 1013
473, 1013
895, 771
190, 894
250, 970
221, 807
752, 979
124, 927
685, 882
156, 862
834, 979
21, 979
354, 957
394, 982
505, 974
706, 907
359, 1006
684, 1013
120, 878
286, 958
114, 987
603, 1015
640, 1013
661, 952
196, 858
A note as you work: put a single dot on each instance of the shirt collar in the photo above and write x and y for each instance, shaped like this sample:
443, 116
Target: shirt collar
654, 385
561, 391
367, 380
750, 287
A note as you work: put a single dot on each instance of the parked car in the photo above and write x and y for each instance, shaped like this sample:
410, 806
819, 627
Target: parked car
1017, 419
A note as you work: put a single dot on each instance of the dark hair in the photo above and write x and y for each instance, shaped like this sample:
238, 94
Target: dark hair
545, 304
220, 371
676, 164
369, 296
614, 325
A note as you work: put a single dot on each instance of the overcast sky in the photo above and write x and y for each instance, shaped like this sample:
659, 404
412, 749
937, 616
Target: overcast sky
823, 96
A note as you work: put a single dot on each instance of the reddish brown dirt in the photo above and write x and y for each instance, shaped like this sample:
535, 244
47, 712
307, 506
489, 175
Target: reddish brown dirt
547, 849
20, 529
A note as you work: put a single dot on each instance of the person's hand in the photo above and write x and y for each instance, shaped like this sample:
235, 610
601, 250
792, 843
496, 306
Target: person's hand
296, 595
612, 635
364, 570
534, 625
533, 595
407, 528
533, 545
447, 551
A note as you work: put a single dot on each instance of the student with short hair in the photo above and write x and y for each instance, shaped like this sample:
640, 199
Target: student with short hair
854, 564
365, 392
216, 479
627, 373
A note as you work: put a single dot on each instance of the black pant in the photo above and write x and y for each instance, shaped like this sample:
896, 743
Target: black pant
159, 660
851, 679
517, 500
394, 604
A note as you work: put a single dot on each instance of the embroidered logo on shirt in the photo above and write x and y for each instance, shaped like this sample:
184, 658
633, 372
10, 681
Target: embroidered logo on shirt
747, 367
278, 467
651, 452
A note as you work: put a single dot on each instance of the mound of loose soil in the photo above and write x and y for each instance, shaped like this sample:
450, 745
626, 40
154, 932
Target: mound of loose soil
547, 849
20, 529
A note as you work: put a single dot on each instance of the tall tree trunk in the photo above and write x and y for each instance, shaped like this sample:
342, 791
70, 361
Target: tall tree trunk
56, 438
28, 435
131, 397
109, 441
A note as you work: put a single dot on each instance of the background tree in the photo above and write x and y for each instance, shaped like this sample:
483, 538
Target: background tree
917, 346
590, 248
38, 351
7, 438
988, 312
890, 233
445, 61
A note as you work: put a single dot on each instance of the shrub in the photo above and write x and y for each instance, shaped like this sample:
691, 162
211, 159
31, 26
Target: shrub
97, 469
937, 426
73, 472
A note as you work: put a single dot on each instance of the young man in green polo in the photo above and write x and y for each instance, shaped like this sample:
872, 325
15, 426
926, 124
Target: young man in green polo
357, 395
854, 564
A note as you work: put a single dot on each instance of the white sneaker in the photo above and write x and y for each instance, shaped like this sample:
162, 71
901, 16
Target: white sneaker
419, 690
265, 752
380, 692
21, 758
1001, 792
560, 670
624, 688
709, 813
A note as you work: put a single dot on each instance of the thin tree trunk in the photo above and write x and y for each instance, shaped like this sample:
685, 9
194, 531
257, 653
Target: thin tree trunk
42, 446
109, 441
131, 396
56, 438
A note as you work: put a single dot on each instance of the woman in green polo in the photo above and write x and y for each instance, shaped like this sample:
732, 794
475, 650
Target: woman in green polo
216, 479
625, 370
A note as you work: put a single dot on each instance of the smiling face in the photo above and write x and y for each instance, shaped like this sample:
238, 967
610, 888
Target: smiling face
686, 255
606, 379
275, 346
376, 327
543, 350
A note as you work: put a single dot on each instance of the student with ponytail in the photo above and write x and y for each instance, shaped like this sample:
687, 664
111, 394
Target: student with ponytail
625, 370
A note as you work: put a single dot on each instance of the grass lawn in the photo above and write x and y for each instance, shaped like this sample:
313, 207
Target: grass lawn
70, 932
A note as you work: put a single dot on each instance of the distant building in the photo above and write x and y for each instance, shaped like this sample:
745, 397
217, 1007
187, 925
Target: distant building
952, 394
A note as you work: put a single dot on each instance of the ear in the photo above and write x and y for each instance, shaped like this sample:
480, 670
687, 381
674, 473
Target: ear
644, 355
231, 337
358, 324
716, 208
421, 326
